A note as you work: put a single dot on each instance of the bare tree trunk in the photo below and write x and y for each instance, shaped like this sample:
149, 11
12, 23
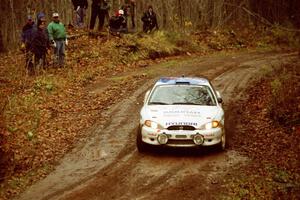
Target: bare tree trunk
2, 49
13, 19
180, 13
164, 10
172, 14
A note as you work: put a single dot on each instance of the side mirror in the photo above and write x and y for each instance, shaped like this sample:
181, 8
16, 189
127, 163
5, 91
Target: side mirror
146, 96
219, 98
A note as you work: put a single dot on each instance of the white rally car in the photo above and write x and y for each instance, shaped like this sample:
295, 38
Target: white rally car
181, 112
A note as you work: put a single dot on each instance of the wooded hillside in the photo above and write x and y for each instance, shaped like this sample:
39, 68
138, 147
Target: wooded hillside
172, 14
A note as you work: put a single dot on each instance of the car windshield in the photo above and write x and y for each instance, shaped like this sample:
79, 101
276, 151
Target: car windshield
182, 95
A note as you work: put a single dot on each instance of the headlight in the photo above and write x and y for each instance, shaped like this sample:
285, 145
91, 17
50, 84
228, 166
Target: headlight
152, 124
210, 125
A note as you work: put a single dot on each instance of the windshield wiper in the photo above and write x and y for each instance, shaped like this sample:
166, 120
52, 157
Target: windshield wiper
185, 103
157, 103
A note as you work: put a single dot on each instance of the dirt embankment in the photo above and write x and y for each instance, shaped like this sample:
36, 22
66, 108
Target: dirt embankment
107, 165
266, 129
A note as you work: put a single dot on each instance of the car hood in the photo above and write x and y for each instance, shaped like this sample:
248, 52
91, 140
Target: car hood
181, 115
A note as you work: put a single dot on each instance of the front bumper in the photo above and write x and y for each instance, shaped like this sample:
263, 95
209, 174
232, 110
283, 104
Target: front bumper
182, 138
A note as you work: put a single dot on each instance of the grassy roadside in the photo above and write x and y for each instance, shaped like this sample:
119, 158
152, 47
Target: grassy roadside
44, 116
270, 139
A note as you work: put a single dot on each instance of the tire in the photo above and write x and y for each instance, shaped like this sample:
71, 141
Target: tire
141, 146
222, 145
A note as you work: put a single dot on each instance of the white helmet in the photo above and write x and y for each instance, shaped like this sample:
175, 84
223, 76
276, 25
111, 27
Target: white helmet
121, 12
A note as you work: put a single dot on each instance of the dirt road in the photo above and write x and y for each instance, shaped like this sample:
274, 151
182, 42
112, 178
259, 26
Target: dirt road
108, 166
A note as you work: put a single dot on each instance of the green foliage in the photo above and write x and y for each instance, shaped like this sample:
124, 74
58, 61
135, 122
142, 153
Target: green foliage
22, 113
183, 41
263, 45
277, 35
276, 87
282, 36
45, 83
155, 45
219, 40
86, 77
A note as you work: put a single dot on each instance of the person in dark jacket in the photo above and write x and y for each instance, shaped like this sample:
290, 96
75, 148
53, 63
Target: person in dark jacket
39, 45
41, 18
100, 9
118, 23
132, 13
129, 11
149, 20
80, 7
26, 38
27, 31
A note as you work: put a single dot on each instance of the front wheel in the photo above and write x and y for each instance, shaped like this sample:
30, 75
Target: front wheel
141, 146
222, 145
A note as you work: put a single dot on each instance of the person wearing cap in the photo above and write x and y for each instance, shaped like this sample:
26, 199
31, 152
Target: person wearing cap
41, 18
26, 38
80, 7
118, 23
58, 37
27, 30
149, 20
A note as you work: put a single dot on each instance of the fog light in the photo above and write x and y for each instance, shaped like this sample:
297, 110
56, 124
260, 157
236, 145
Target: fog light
198, 139
162, 139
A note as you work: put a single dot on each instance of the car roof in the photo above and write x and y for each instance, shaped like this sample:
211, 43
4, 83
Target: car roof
183, 81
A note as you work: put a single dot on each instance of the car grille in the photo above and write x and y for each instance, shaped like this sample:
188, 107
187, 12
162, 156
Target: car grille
186, 128
181, 142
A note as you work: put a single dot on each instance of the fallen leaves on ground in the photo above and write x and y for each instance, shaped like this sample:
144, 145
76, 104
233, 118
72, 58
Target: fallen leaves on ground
273, 171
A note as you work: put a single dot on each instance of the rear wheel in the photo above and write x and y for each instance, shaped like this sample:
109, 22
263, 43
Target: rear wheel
141, 146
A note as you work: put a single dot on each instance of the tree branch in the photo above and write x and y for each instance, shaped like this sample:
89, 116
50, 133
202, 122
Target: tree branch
260, 18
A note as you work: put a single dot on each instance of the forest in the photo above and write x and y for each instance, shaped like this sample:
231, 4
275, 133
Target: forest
184, 15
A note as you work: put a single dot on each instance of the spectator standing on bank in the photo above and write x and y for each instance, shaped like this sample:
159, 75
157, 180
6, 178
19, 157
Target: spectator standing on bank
95, 13
80, 7
26, 39
149, 20
41, 18
39, 46
100, 9
129, 11
132, 13
58, 38
104, 12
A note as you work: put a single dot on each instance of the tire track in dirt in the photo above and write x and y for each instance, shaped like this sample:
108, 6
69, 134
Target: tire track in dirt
84, 161
118, 177
88, 190
109, 165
